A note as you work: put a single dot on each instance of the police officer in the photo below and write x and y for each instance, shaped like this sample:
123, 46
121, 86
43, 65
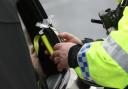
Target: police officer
101, 62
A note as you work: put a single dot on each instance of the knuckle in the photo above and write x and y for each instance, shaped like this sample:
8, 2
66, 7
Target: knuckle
56, 46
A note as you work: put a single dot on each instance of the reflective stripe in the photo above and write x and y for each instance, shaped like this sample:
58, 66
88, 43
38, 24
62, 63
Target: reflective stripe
36, 43
45, 41
116, 52
47, 44
81, 58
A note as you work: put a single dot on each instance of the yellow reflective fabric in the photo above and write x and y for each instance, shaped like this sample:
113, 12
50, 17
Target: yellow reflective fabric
44, 41
119, 1
47, 44
123, 23
103, 69
78, 72
36, 43
121, 36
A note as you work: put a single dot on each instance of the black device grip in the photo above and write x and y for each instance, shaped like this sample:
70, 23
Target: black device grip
51, 36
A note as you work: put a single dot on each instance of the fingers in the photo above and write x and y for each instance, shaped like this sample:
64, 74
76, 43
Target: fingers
70, 38
57, 60
57, 46
55, 54
66, 35
63, 34
60, 55
61, 66
32, 49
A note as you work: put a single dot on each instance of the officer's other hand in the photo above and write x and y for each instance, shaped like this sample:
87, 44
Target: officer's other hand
68, 37
35, 62
60, 54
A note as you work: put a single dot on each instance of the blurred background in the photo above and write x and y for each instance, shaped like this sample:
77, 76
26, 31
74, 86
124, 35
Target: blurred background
75, 16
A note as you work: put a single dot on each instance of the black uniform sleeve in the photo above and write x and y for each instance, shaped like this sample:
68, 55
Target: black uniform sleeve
72, 55
87, 40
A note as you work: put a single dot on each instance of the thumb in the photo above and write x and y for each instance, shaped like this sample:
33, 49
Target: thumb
65, 35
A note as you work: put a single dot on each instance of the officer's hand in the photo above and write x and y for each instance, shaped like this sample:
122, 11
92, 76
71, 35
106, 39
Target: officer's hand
70, 38
35, 62
60, 54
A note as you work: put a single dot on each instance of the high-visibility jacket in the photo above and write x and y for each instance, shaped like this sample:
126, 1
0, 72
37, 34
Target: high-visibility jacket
118, 1
106, 62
